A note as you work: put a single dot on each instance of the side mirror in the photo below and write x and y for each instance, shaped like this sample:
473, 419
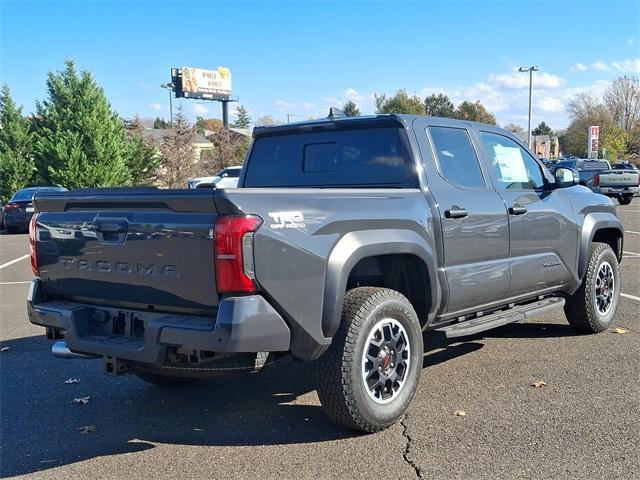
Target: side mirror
566, 177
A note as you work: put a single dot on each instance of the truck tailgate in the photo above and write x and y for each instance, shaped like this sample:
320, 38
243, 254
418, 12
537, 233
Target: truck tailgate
619, 178
139, 248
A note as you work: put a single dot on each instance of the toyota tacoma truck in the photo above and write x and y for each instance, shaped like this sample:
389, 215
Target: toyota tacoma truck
348, 239
619, 183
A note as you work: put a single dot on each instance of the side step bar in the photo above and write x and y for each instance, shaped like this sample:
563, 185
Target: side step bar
515, 314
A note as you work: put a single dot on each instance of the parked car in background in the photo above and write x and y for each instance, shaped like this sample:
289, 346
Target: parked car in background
19, 210
225, 178
624, 166
621, 183
1, 215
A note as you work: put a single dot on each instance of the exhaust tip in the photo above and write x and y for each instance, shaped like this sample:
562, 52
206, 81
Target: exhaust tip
61, 350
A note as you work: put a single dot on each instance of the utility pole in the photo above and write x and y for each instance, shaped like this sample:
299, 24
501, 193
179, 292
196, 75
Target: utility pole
530, 70
289, 115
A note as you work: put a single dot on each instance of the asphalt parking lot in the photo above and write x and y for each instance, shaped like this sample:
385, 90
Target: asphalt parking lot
585, 423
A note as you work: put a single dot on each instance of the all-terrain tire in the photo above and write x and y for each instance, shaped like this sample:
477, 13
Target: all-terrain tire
625, 199
581, 309
341, 377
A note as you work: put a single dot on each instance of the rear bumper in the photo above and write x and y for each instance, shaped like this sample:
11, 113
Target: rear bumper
17, 220
616, 192
243, 324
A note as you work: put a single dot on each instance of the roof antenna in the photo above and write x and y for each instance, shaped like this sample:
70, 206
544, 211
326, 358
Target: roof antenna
335, 113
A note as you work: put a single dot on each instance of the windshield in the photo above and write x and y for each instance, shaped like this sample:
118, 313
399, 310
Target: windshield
230, 173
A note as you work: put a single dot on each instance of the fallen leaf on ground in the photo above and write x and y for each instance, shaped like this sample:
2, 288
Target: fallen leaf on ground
459, 413
72, 380
4, 349
620, 330
539, 384
87, 429
82, 400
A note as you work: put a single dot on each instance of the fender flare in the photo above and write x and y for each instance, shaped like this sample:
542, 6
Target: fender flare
355, 246
592, 223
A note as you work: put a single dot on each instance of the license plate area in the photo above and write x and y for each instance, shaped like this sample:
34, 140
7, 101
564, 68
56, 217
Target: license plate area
128, 324
29, 209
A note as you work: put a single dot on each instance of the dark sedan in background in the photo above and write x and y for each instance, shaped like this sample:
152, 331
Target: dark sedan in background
19, 210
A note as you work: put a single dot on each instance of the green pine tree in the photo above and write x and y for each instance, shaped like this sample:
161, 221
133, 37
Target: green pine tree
143, 158
243, 119
17, 165
80, 140
350, 109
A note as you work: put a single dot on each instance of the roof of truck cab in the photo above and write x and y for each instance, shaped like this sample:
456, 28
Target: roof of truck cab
404, 119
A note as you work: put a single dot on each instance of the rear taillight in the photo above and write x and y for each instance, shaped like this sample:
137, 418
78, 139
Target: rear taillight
234, 253
11, 206
596, 181
33, 245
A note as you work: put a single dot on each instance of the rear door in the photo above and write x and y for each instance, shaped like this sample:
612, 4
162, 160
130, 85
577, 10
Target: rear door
475, 234
543, 232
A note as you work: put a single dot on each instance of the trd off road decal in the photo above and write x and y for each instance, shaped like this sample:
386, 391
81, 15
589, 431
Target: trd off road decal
287, 219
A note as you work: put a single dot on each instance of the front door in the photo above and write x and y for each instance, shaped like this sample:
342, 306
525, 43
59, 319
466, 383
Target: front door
474, 221
543, 232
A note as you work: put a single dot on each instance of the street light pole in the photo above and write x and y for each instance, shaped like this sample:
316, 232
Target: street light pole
530, 70
169, 86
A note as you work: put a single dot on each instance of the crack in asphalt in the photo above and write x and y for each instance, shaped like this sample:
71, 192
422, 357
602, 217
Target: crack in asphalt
407, 447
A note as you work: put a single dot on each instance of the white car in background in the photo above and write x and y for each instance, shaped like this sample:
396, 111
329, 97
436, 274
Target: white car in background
226, 178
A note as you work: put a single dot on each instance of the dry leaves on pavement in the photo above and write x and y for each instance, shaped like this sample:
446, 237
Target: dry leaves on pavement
620, 330
81, 400
459, 413
5, 349
87, 429
539, 384
72, 380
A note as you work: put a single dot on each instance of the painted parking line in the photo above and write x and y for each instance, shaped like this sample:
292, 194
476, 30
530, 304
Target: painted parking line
632, 297
631, 253
16, 260
14, 283
629, 231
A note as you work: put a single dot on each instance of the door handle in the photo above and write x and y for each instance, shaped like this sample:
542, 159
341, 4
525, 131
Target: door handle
517, 209
456, 212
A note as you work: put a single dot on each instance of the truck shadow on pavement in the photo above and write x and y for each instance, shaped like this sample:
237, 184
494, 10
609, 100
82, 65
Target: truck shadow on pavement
39, 419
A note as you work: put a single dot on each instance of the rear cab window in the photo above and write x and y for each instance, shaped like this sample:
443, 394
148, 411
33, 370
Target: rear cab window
366, 154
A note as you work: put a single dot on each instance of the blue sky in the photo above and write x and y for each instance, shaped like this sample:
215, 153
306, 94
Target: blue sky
302, 57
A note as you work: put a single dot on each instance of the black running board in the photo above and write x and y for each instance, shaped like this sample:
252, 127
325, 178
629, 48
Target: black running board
514, 314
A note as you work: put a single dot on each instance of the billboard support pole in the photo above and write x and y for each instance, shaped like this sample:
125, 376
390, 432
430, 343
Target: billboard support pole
225, 114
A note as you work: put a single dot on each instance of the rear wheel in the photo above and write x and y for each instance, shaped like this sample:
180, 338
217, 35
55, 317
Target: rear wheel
592, 307
369, 375
625, 199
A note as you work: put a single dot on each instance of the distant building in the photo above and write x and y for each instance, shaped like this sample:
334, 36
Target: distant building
158, 135
543, 146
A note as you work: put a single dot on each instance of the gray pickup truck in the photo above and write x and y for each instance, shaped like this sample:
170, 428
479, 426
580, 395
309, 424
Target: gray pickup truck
347, 240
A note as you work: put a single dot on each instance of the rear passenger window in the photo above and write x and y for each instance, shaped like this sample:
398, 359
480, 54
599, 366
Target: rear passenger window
457, 161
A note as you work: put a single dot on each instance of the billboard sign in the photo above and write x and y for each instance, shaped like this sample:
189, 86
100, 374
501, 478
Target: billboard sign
594, 141
191, 82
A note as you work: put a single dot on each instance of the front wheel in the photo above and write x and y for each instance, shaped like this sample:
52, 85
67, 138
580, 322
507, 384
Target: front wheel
369, 375
625, 199
592, 307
